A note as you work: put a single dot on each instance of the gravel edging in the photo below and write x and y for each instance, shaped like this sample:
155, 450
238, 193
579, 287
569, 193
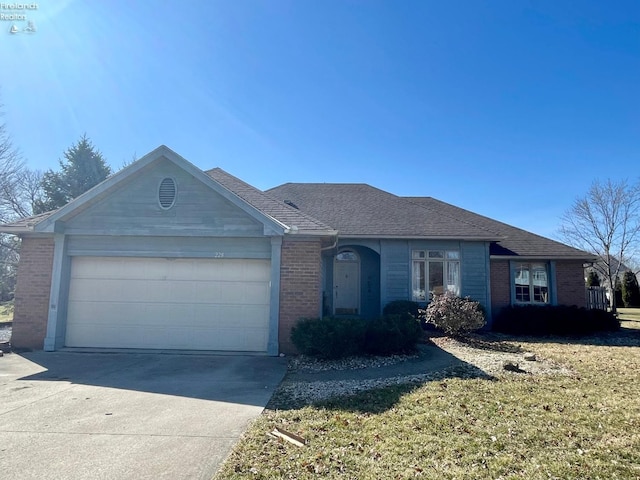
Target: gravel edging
475, 363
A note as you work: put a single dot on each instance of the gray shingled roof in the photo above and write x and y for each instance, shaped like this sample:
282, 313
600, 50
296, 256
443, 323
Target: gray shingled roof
364, 211
515, 242
268, 205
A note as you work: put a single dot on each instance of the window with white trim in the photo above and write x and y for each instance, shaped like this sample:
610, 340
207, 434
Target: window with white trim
433, 272
531, 282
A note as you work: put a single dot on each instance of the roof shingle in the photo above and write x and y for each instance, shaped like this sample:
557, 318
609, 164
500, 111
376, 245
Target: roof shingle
364, 211
515, 241
283, 213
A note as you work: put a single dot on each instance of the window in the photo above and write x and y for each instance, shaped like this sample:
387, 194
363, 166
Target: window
531, 283
434, 272
347, 256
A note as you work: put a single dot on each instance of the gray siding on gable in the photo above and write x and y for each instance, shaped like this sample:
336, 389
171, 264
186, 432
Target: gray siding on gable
178, 247
133, 209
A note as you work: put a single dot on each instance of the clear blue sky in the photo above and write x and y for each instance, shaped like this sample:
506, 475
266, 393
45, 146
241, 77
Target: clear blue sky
508, 108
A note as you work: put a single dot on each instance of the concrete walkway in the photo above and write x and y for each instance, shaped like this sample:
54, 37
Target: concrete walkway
127, 416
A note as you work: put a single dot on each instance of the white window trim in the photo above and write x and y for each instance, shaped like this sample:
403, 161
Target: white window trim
417, 293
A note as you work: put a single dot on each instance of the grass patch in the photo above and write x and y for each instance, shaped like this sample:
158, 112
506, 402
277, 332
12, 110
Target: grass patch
6, 312
586, 425
629, 317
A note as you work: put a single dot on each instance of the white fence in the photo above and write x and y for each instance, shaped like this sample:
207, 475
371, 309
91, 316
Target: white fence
597, 298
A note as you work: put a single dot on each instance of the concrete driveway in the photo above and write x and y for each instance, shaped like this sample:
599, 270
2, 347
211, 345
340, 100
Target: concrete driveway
119, 416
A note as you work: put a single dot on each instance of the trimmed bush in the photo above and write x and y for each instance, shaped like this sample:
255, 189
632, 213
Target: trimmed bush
454, 315
553, 320
333, 337
392, 334
401, 307
329, 337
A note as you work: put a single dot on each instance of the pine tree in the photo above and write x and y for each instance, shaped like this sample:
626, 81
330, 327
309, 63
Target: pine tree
83, 167
630, 290
593, 280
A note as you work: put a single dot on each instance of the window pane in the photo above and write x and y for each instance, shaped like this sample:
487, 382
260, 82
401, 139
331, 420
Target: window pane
347, 257
435, 254
453, 277
453, 255
419, 282
436, 278
523, 293
540, 283
418, 254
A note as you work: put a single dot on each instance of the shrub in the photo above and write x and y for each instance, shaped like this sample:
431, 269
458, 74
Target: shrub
401, 307
392, 334
333, 337
454, 315
553, 320
329, 337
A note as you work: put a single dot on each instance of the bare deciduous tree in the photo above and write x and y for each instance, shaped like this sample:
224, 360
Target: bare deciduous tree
606, 222
20, 188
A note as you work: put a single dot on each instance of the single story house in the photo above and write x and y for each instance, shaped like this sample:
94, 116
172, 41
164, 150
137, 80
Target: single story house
163, 255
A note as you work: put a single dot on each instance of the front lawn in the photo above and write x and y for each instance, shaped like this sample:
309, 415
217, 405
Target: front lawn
585, 425
629, 317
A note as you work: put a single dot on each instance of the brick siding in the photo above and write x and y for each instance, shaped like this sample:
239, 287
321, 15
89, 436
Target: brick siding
32, 293
500, 285
570, 283
300, 277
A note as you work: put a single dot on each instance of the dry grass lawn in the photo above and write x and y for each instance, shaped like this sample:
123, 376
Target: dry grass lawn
585, 425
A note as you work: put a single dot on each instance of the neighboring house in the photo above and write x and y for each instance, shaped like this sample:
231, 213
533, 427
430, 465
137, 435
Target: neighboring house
165, 256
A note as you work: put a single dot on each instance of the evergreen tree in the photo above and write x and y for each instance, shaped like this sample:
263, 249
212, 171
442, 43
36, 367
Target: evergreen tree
83, 167
630, 290
593, 280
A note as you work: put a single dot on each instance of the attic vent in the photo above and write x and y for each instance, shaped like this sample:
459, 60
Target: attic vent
291, 204
167, 193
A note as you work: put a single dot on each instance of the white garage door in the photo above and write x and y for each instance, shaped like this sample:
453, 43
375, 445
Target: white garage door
196, 304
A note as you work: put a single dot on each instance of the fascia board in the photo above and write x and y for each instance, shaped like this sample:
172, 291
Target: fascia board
541, 257
417, 237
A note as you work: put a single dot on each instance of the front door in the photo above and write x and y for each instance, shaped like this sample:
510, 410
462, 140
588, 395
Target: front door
346, 284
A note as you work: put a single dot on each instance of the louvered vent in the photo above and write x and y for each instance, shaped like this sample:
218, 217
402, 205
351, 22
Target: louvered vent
167, 193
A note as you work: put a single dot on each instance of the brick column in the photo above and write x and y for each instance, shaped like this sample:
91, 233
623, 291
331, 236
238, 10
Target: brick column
500, 285
32, 293
300, 286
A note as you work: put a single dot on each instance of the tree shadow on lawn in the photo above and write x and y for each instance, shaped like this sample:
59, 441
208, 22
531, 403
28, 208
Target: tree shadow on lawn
376, 389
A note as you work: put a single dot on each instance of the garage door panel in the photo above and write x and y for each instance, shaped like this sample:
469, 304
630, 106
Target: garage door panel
209, 304
257, 293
